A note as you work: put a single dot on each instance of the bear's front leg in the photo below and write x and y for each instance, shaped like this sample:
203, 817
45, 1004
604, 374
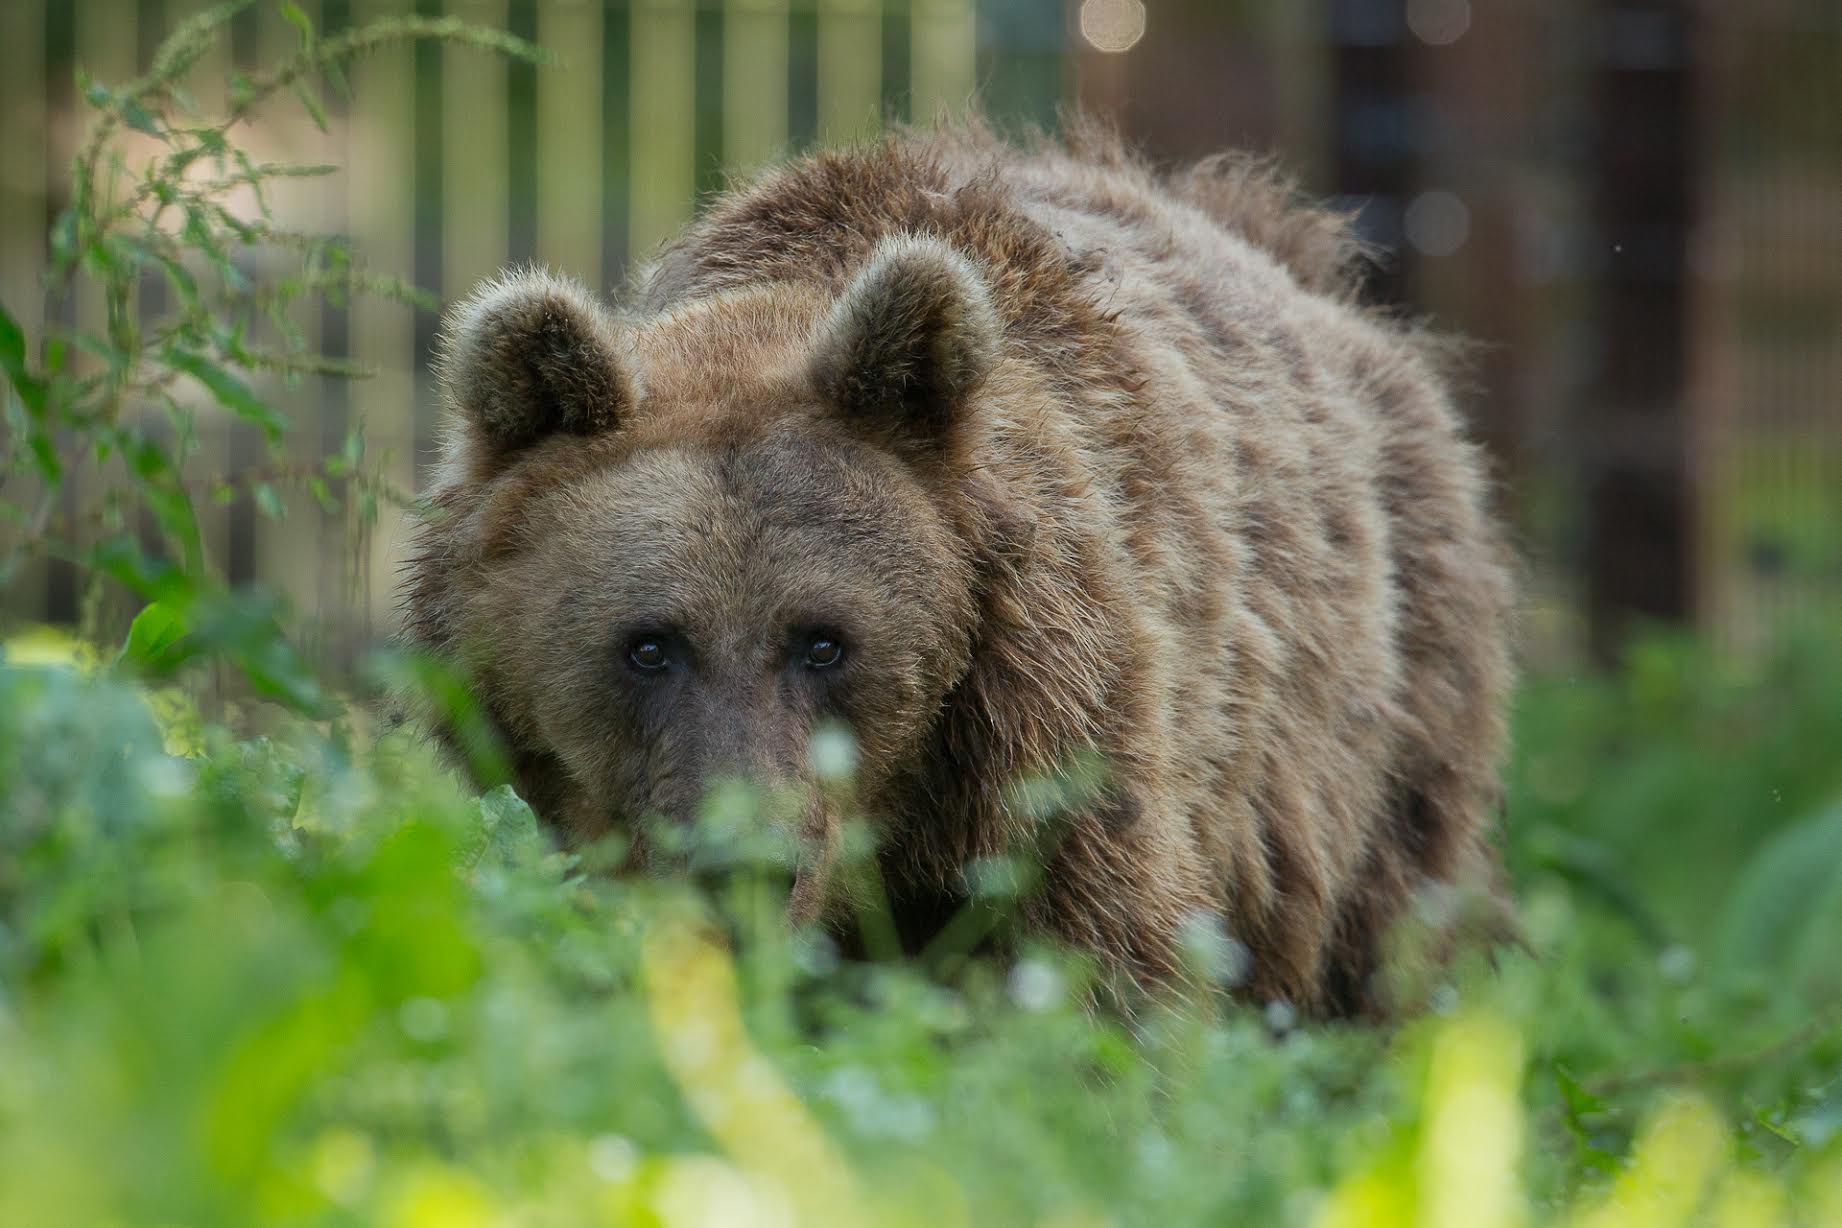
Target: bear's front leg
1126, 882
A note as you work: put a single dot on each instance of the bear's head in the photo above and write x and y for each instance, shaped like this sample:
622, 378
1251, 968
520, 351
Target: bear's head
672, 551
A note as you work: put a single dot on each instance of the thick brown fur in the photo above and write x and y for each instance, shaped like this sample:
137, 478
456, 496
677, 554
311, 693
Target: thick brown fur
1079, 460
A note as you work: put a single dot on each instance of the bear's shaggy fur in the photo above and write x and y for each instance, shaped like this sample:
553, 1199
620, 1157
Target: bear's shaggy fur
1074, 461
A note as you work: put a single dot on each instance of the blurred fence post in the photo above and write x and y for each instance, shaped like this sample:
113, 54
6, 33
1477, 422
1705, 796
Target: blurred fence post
22, 162
22, 217
1472, 214
1373, 166
107, 48
1634, 433
297, 555
943, 57
755, 68
475, 144
381, 213
663, 84
1296, 33
850, 69
569, 205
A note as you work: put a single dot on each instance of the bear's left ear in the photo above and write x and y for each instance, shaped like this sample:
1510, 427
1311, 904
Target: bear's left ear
529, 355
909, 340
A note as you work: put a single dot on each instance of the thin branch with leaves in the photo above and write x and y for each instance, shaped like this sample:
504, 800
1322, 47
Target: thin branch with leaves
163, 194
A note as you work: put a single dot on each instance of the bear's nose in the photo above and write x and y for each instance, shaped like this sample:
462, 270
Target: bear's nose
741, 743
736, 743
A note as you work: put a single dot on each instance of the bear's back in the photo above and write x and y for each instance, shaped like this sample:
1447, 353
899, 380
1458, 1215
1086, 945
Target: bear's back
1340, 600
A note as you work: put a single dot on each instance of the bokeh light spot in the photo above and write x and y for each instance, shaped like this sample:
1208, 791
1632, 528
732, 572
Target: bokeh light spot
1437, 223
1112, 26
1439, 23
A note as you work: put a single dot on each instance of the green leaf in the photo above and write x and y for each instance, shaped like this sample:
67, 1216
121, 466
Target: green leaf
32, 394
1786, 908
314, 109
121, 557
138, 118
510, 833
232, 393
184, 286
45, 456
112, 356
1578, 1104
64, 239
173, 510
323, 494
242, 89
158, 640
1578, 1100
268, 502
31, 390
164, 496
300, 21
443, 691
245, 629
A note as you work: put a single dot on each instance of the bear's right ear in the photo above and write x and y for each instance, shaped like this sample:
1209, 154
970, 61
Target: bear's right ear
528, 355
909, 341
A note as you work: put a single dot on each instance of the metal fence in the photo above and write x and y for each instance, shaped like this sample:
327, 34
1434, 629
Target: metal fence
456, 163
1768, 392
1468, 132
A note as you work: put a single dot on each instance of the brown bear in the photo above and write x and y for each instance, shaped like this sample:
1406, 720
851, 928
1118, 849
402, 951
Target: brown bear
1002, 458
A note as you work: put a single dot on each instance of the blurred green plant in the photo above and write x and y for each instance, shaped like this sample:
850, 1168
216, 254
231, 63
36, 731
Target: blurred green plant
305, 979
101, 422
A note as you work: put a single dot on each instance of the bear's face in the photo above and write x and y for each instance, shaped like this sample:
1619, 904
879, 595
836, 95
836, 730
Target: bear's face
696, 613
671, 555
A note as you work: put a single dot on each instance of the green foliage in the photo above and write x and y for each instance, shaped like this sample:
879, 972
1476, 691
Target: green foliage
306, 979
101, 415
1707, 757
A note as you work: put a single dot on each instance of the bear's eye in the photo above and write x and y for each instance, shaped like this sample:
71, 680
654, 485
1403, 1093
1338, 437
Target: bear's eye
648, 653
823, 652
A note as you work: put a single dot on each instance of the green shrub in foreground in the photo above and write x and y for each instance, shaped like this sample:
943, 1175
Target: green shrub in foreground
305, 979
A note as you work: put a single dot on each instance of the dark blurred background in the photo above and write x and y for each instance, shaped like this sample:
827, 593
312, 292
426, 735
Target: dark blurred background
1635, 206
